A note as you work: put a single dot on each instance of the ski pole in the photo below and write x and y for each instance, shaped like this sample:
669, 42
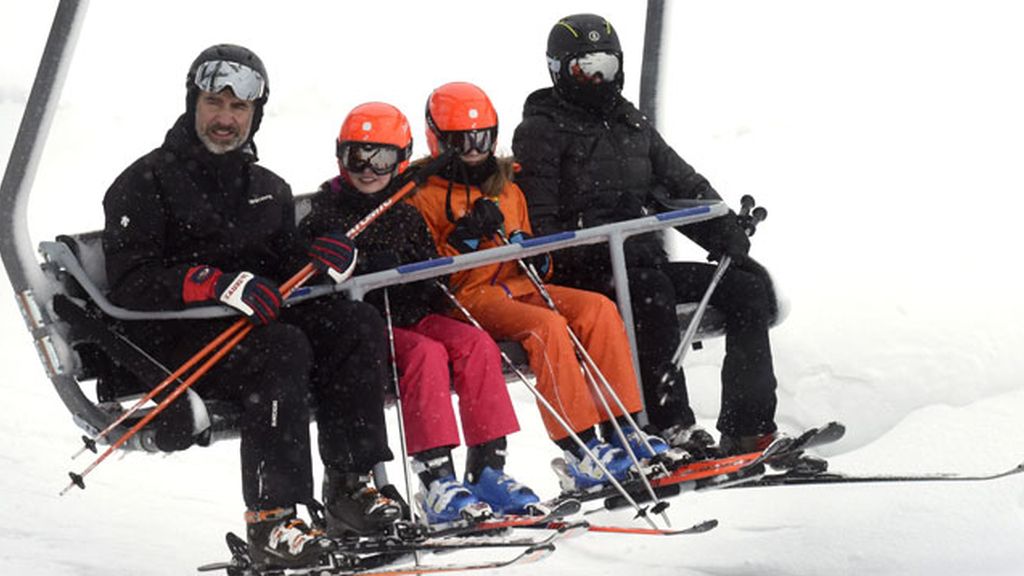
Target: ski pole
641, 512
241, 328
400, 417
590, 368
78, 479
759, 214
581, 351
398, 402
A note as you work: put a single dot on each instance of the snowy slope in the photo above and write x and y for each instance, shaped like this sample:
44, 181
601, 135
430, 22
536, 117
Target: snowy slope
884, 138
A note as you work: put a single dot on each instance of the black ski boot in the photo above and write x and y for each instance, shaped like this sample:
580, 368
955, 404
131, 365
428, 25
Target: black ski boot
355, 508
796, 462
278, 539
732, 445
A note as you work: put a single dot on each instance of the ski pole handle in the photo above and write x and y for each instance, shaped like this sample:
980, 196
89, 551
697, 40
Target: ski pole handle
749, 217
746, 203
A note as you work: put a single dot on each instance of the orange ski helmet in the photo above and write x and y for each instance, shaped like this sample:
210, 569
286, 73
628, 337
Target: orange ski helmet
458, 107
377, 123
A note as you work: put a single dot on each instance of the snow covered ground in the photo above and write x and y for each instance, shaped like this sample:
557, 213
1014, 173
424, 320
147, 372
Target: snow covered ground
884, 138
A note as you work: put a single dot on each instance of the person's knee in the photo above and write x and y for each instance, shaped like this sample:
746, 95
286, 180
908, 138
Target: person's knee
362, 317
550, 324
604, 307
279, 347
426, 351
482, 344
749, 298
651, 289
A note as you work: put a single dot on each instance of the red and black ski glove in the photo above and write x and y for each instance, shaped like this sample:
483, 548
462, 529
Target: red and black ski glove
334, 253
255, 296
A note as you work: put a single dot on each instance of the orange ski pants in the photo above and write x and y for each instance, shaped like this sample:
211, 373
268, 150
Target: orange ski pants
542, 333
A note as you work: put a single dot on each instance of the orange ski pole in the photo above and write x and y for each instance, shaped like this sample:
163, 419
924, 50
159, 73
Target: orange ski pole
300, 278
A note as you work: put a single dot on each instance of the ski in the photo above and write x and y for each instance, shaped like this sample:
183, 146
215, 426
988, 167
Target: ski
348, 563
784, 479
731, 468
532, 554
551, 511
722, 472
698, 528
488, 539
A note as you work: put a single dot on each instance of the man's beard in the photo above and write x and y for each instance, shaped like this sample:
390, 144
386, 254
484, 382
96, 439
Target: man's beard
218, 147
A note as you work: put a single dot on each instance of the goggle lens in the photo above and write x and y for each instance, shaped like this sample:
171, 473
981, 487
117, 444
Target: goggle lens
216, 75
380, 158
466, 141
594, 67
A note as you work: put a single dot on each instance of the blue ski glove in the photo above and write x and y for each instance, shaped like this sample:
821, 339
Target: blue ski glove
541, 262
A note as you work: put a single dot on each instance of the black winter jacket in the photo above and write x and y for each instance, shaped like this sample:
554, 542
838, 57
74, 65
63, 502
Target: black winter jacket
579, 170
399, 236
180, 206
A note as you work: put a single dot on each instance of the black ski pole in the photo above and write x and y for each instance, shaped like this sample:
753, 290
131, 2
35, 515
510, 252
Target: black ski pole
758, 214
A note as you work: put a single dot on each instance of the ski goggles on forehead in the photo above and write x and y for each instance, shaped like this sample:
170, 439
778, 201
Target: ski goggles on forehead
595, 67
466, 141
382, 159
216, 75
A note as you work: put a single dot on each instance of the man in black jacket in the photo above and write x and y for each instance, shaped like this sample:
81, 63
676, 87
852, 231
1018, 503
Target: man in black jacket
197, 221
589, 157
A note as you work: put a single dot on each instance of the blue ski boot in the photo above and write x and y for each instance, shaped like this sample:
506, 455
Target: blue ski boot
502, 492
582, 473
447, 500
637, 444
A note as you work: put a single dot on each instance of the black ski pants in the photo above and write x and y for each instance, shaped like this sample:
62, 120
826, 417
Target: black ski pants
745, 297
325, 357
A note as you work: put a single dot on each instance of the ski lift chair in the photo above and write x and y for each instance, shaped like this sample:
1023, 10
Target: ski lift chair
110, 369
107, 370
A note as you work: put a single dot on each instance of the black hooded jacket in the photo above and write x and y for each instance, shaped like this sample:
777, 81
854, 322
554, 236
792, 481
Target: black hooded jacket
181, 206
580, 169
398, 236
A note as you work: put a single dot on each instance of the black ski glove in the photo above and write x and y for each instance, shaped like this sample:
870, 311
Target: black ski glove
482, 222
730, 240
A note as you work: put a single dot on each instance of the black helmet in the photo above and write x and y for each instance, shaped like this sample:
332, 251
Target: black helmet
577, 35
581, 33
256, 86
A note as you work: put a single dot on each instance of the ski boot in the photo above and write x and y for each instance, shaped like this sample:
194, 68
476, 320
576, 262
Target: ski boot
694, 439
501, 492
355, 508
796, 462
639, 447
447, 500
279, 539
581, 473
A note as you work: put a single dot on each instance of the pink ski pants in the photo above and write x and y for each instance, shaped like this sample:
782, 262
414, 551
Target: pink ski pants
439, 353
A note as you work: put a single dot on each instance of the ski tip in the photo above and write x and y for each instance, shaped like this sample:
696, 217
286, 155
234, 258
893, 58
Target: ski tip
704, 526
215, 566
537, 553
